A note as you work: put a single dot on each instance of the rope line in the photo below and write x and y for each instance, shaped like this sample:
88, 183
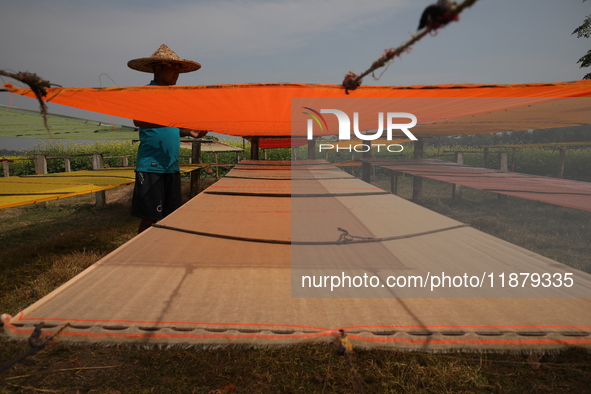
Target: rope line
33, 194
288, 195
73, 176
37, 342
353, 81
535, 192
342, 239
284, 179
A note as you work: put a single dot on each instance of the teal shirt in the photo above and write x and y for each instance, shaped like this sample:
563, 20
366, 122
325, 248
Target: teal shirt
159, 149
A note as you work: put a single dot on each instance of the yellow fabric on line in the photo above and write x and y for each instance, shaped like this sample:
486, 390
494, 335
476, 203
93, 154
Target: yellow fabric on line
15, 191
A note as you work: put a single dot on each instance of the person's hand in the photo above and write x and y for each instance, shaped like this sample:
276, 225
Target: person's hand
193, 133
198, 133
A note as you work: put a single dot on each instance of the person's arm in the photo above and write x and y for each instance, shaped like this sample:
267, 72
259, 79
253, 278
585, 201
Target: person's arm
184, 132
145, 125
193, 133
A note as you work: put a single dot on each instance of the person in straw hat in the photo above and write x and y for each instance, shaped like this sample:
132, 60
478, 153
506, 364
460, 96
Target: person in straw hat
157, 190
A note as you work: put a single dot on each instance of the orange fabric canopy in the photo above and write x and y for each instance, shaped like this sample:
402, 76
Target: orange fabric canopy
267, 109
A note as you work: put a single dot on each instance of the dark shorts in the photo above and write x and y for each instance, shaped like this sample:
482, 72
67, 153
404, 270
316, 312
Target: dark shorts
156, 195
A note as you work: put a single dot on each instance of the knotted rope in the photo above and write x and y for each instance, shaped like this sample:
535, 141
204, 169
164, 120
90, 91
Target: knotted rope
37, 342
39, 87
344, 348
352, 81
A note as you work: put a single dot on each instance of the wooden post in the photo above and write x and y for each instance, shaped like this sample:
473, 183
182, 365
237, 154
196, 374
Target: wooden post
217, 171
195, 174
311, 149
513, 159
456, 190
97, 161
264, 154
417, 182
41, 169
97, 164
41, 165
502, 167
6, 168
125, 161
67, 164
503, 161
254, 148
393, 181
366, 167
561, 162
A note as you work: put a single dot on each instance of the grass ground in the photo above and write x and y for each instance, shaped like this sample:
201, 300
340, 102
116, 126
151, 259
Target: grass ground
43, 247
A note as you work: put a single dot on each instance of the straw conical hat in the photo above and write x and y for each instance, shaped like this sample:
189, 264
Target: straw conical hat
162, 55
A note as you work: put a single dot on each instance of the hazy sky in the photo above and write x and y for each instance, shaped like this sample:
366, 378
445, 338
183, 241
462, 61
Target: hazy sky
88, 43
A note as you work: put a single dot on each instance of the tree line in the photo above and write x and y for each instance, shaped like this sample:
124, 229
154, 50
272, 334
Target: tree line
553, 135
